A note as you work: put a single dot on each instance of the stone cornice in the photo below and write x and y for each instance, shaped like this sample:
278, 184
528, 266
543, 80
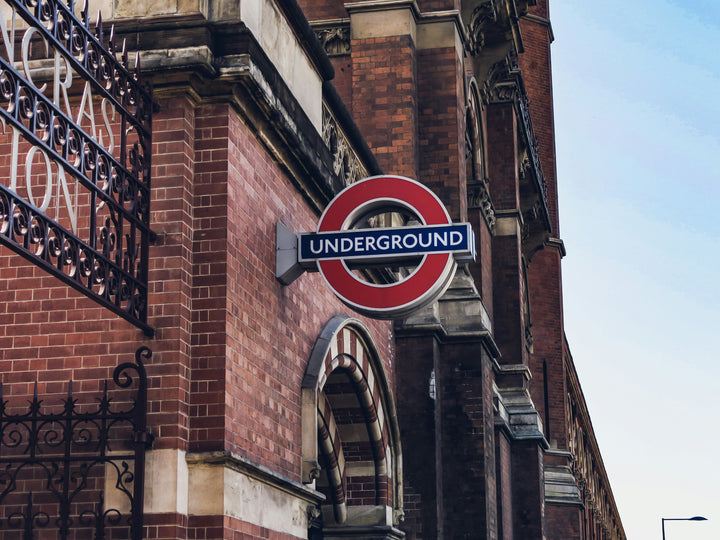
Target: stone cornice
383, 18
516, 370
518, 415
561, 487
459, 316
334, 34
368, 532
188, 28
239, 72
449, 16
383, 5
256, 471
558, 244
508, 223
542, 21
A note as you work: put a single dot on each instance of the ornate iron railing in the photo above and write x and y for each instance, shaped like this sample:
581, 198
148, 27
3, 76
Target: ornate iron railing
76, 473
101, 247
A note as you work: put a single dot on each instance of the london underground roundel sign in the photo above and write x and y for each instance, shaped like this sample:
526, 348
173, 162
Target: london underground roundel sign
437, 242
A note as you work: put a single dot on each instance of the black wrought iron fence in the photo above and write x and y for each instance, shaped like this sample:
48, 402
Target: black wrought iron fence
76, 471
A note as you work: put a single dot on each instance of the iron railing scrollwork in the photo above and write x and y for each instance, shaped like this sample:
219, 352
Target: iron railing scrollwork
100, 248
78, 470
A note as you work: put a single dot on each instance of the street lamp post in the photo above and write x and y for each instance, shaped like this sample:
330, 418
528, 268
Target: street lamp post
696, 518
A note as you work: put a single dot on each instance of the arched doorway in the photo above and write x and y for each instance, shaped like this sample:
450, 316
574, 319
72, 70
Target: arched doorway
351, 448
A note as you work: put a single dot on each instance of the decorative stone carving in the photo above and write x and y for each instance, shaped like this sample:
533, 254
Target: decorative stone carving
526, 312
346, 164
315, 472
335, 38
529, 216
528, 338
504, 81
591, 486
480, 17
524, 167
494, 24
504, 84
505, 91
474, 140
532, 145
313, 512
479, 197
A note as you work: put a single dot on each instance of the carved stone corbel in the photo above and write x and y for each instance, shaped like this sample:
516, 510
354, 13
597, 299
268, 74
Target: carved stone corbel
334, 36
479, 197
313, 512
483, 15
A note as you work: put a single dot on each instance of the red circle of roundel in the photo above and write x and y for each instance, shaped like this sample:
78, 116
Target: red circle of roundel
431, 276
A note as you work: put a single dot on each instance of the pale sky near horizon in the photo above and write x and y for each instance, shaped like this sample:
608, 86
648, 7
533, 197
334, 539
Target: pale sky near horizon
637, 108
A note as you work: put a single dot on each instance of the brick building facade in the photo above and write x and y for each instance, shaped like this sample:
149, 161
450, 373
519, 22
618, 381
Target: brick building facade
274, 410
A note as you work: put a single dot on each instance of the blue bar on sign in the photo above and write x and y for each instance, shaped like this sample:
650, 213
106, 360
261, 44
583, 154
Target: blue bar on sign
387, 243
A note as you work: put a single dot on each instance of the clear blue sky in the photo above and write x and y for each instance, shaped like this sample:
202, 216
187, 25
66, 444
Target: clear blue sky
637, 105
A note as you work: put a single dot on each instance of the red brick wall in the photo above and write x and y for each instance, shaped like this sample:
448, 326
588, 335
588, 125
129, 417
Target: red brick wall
508, 320
448, 442
316, 10
442, 128
502, 164
504, 483
208, 528
547, 329
544, 272
343, 79
547, 362
210, 277
507, 278
537, 76
384, 101
417, 357
528, 491
231, 342
236, 529
251, 335
166, 527
171, 272
53, 334
482, 268
467, 430
564, 522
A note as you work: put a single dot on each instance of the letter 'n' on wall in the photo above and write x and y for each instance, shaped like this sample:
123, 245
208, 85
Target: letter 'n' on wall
351, 449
